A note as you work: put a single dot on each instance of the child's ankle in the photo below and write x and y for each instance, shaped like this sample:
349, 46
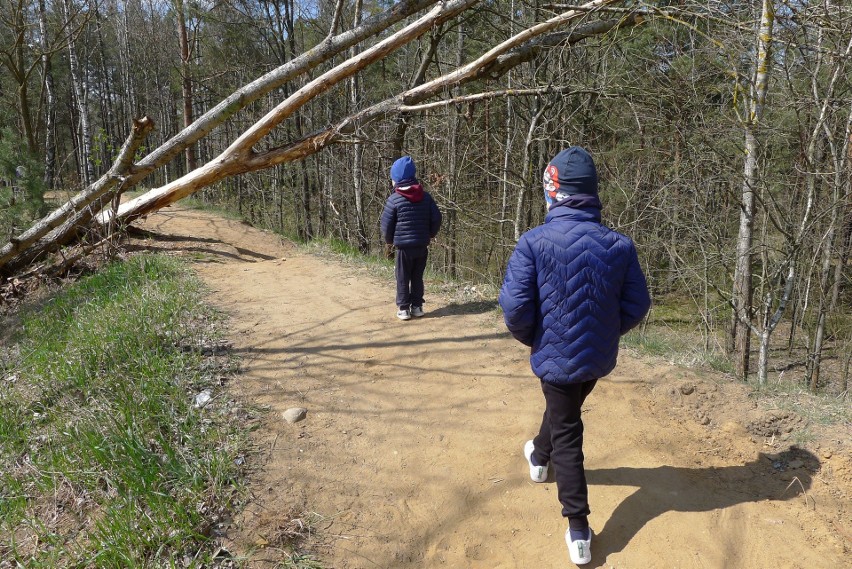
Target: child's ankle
578, 528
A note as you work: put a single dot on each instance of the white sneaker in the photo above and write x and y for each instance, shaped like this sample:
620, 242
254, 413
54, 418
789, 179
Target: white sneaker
579, 550
403, 314
417, 311
537, 473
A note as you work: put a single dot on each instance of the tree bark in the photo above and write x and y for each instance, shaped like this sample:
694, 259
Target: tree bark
50, 102
186, 79
742, 285
14, 56
76, 212
165, 153
79, 82
841, 166
125, 62
523, 194
239, 157
401, 126
358, 162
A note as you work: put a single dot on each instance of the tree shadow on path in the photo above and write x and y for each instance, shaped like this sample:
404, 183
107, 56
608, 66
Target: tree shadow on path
151, 240
674, 489
458, 309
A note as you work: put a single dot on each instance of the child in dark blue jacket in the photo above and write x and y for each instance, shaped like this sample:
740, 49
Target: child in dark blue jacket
409, 221
572, 288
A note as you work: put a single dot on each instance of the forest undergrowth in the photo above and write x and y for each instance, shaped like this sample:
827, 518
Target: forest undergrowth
118, 447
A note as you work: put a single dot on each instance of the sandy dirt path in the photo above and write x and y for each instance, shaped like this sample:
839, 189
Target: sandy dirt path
411, 452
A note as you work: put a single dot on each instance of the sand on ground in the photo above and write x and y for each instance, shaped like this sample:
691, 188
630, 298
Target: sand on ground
411, 451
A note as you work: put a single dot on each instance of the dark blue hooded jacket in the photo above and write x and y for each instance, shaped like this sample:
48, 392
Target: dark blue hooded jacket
572, 288
410, 218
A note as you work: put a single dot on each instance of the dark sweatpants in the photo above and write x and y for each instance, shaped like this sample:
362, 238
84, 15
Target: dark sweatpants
560, 442
410, 266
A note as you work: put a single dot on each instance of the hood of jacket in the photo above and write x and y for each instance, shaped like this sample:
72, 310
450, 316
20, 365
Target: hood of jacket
581, 207
411, 192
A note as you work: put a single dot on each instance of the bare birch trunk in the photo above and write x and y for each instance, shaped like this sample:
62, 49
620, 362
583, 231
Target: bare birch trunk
358, 163
742, 285
451, 216
21, 74
186, 79
831, 294
77, 212
523, 195
507, 153
240, 158
771, 320
200, 128
841, 166
50, 102
419, 77
105, 88
125, 62
81, 97
814, 156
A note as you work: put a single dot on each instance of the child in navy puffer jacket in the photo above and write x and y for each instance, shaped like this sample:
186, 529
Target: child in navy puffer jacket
409, 221
572, 288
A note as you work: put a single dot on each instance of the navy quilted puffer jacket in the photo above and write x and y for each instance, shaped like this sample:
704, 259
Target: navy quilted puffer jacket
407, 223
572, 288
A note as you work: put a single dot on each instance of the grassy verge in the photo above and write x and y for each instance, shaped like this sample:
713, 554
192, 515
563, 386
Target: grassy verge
682, 348
106, 459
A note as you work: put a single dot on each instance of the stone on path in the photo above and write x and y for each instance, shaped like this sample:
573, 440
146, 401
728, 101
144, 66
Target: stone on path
294, 414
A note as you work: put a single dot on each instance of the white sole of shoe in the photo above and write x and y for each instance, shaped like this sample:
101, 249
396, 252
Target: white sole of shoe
580, 551
538, 474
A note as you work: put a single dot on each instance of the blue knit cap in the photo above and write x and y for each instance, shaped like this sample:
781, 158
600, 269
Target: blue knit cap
571, 172
403, 170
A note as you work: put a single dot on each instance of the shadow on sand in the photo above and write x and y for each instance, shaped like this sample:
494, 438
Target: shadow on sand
473, 307
672, 489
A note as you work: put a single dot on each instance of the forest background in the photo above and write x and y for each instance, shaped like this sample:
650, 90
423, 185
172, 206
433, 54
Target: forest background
721, 131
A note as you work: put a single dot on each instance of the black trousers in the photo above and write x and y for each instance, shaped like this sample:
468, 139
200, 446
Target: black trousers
410, 266
560, 442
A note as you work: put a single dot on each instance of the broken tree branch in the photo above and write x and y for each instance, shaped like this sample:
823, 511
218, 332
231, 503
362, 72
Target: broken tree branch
114, 178
59, 226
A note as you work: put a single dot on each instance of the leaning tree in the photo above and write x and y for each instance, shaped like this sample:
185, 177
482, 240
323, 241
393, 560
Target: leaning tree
97, 207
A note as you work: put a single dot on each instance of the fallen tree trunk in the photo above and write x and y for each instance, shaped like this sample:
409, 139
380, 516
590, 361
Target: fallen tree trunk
240, 156
59, 227
114, 179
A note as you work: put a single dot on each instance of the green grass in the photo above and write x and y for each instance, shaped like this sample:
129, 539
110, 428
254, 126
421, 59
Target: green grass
819, 409
340, 248
343, 248
678, 348
196, 202
104, 459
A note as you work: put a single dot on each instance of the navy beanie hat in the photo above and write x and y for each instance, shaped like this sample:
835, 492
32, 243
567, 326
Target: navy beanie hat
403, 170
571, 172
